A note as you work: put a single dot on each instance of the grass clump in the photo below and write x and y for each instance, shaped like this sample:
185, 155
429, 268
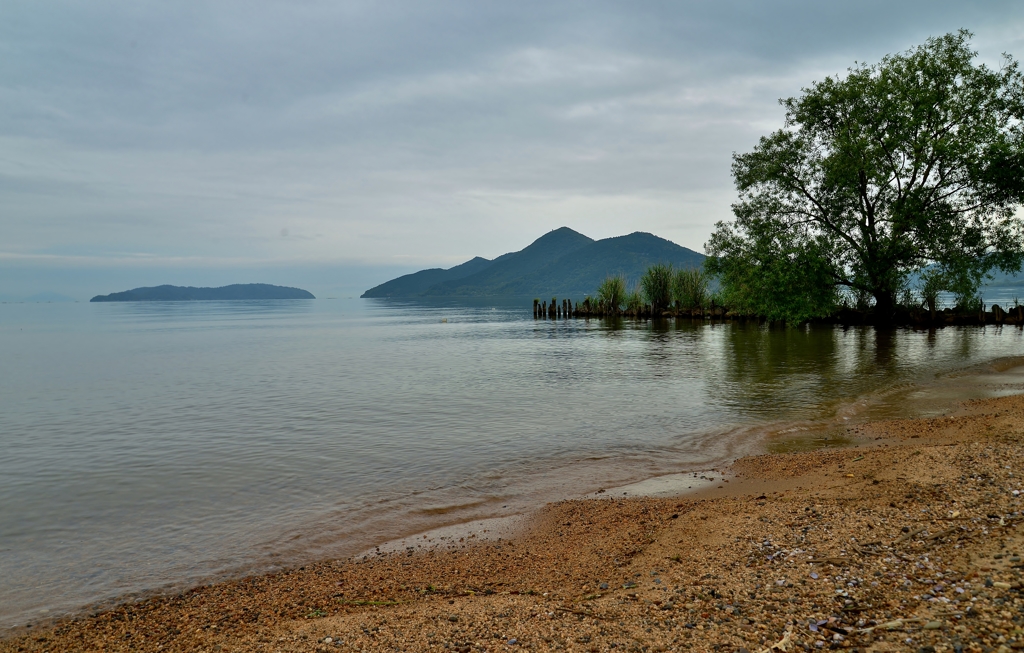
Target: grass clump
656, 285
634, 301
690, 288
612, 292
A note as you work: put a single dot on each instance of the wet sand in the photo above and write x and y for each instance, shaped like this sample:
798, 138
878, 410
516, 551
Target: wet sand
906, 540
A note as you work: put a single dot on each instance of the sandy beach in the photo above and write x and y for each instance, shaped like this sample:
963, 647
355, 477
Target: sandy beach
908, 540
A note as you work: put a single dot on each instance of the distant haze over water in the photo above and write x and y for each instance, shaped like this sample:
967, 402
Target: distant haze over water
154, 445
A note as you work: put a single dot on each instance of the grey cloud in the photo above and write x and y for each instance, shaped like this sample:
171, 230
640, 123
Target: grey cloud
406, 131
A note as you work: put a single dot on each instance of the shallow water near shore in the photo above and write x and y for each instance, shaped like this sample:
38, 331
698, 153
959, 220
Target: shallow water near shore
156, 445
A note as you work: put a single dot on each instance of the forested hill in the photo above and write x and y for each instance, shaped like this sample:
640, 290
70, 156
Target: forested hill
238, 291
562, 262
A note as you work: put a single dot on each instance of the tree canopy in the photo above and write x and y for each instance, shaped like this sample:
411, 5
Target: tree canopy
912, 168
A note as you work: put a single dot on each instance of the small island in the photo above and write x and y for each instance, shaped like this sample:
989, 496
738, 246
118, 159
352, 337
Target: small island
234, 292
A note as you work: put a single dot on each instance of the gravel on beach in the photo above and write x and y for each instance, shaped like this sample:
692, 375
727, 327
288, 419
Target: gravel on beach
910, 540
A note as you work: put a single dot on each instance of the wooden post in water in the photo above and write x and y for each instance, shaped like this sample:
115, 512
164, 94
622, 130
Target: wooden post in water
554, 308
544, 309
535, 303
997, 313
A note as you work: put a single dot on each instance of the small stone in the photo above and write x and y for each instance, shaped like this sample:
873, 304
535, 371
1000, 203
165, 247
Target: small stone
603, 586
933, 625
453, 618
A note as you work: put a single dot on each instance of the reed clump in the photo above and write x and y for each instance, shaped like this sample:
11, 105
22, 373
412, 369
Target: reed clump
690, 289
612, 293
634, 302
656, 285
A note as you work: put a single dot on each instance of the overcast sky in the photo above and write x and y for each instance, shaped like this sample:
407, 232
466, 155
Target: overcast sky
169, 139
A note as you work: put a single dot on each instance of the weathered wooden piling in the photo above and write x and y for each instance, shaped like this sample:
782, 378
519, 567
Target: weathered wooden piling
916, 317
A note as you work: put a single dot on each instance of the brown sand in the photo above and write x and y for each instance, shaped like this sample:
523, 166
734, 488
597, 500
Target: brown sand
908, 541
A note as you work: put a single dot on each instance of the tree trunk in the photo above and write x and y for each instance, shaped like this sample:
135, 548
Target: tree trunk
885, 307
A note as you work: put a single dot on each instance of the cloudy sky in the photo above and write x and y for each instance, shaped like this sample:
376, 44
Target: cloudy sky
337, 143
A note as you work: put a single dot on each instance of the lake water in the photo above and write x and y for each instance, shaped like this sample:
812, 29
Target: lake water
148, 446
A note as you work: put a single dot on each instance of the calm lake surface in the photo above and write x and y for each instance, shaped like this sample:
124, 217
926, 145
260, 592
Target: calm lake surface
148, 446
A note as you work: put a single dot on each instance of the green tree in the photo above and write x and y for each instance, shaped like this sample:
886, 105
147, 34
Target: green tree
913, 163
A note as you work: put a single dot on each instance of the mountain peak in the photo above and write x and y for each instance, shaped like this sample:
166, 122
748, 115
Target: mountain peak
562, 261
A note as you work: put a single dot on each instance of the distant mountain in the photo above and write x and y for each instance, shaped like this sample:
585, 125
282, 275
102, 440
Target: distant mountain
504, 276
188, 293
562, 262
417, 283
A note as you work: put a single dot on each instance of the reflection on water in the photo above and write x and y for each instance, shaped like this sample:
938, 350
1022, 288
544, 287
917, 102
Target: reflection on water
153, 444
204, 312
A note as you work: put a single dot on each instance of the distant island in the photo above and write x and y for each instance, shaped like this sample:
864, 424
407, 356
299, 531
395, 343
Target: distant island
238, 291
562, 262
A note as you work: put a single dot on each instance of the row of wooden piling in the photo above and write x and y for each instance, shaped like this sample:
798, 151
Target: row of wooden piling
946, 317
589, 307
554, 310
557, 310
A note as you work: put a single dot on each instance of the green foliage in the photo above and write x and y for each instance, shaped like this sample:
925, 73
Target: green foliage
914, 163
656, 286
772, 278
612, 292
634, 301
690, 288
932, 283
